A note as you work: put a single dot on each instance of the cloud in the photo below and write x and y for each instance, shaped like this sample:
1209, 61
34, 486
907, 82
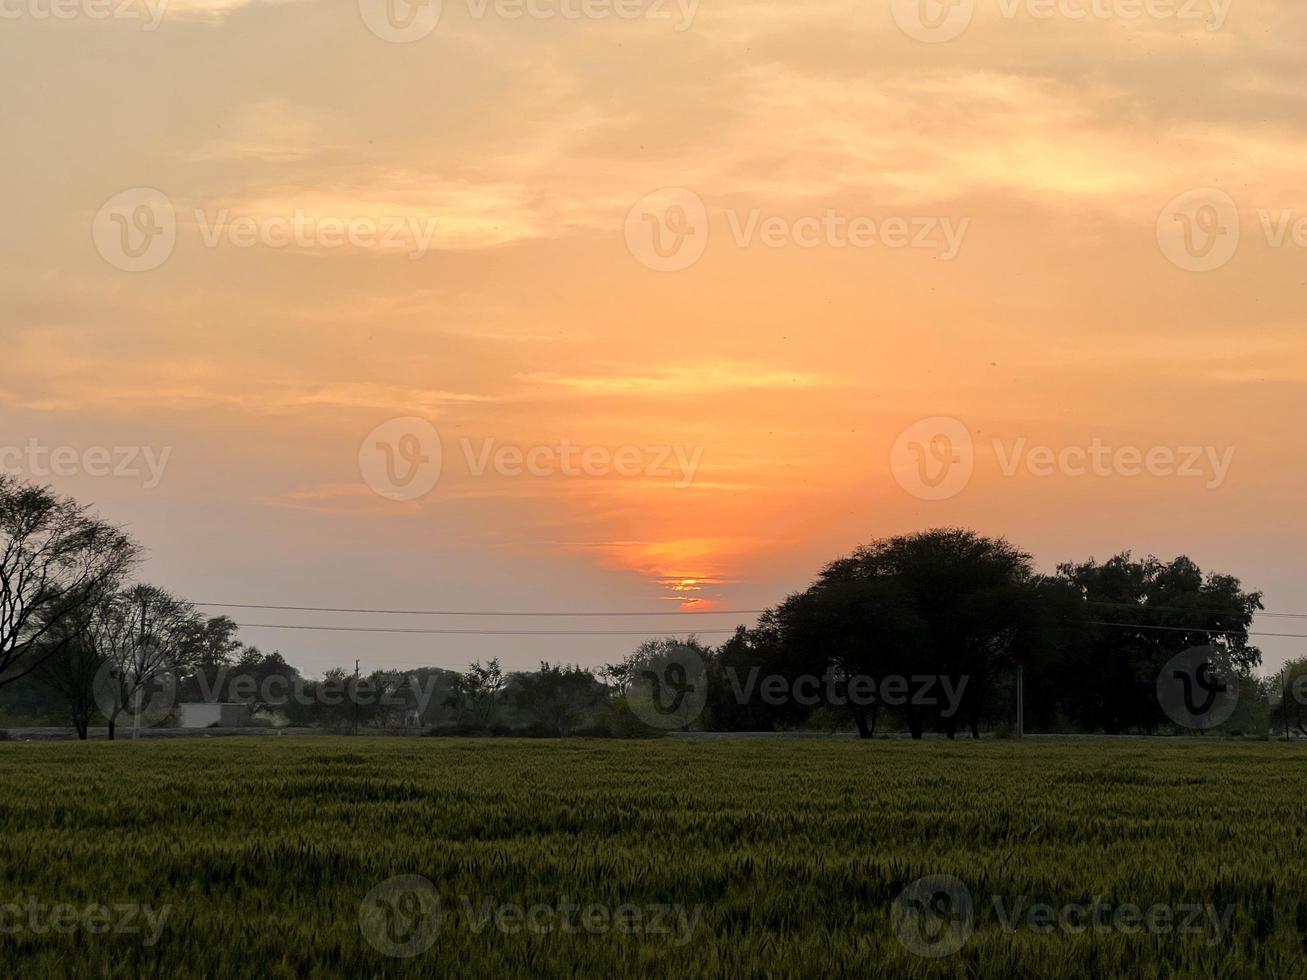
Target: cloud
676, 380
346, 499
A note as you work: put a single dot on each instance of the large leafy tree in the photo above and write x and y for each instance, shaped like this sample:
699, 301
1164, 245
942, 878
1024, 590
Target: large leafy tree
947, 603
850, 628
1142, 612
558, 697
475, 694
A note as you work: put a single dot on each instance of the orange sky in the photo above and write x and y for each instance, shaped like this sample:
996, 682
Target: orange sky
787, 372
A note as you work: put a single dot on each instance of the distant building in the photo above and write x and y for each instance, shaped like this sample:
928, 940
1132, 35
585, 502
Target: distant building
212, 714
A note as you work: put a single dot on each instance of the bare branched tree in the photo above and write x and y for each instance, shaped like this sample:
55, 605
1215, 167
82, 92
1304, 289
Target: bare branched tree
55, 561
144, 635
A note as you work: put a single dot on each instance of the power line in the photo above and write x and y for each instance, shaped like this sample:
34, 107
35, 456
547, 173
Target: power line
658, 612
456, 632
1184, 609
1193, 629
493, 632
472, 612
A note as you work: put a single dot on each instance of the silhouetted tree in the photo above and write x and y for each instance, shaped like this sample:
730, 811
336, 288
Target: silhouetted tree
1140, 614
70, 673
557, 696
944, 603
55, 561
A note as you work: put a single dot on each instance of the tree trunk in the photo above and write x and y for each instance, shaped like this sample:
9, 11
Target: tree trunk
860, 720
916, 724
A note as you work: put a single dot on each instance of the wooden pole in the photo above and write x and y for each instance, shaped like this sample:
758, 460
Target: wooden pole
1021, 702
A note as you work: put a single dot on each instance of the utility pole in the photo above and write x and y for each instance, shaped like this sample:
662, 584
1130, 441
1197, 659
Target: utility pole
1021, 702
136, 680
356, 697
1284, 699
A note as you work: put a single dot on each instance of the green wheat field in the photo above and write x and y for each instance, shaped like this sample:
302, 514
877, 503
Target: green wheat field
262, 851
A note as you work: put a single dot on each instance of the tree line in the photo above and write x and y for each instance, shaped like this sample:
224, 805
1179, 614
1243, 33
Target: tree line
947, 610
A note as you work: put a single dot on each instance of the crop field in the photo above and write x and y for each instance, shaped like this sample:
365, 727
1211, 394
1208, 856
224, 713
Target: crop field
331, 857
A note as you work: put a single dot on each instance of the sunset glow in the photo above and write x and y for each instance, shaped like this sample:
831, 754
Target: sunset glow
442, 230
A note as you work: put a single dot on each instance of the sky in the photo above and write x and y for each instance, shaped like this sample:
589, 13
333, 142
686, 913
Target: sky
647, 305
